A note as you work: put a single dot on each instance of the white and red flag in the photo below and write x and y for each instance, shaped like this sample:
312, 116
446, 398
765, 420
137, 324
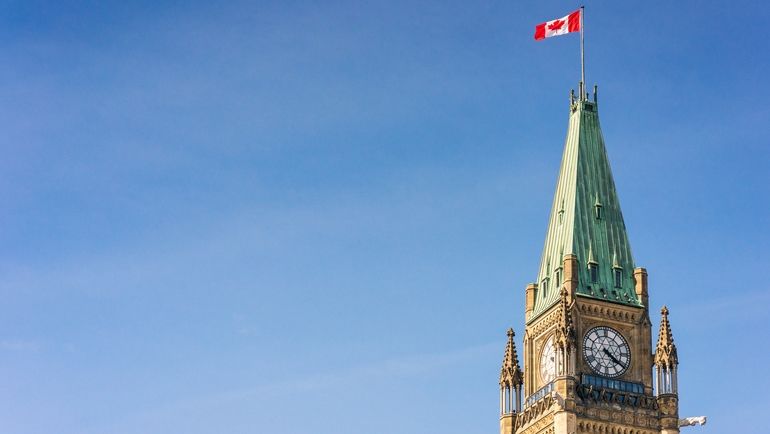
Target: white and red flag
560, 26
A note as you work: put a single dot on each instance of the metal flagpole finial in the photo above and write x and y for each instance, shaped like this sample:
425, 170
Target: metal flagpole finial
583, 90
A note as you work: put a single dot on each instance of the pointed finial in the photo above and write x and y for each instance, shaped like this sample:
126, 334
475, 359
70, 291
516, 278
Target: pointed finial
596, 91
510, 374
665, 352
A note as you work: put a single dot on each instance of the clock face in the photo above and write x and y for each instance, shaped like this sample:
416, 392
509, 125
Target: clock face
548, 361
606, 351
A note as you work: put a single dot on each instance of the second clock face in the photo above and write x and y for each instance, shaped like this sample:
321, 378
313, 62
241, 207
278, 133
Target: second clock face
606, 351
548, 361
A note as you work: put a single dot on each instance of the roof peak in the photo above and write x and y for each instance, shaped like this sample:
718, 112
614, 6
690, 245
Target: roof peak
584, 96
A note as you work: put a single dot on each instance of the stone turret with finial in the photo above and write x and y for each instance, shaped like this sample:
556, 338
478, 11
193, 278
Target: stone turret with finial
511, 378
665, 352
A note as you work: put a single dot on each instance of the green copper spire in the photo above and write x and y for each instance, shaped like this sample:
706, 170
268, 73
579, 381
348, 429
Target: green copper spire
586, 220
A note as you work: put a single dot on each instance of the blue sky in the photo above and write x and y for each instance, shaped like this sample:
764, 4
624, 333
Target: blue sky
276, 216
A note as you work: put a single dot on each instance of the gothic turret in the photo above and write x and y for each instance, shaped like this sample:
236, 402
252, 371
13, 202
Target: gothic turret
564, 338
666, 363
511, 378
511, 381
666, 360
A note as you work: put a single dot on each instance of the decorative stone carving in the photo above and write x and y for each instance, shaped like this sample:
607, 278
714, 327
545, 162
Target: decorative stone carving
669, 405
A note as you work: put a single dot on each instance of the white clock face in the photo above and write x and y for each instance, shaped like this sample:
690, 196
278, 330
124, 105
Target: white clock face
548, 361
606, 352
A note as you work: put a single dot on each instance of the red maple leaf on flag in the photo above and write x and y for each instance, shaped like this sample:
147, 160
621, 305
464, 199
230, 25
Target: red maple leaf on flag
556, 25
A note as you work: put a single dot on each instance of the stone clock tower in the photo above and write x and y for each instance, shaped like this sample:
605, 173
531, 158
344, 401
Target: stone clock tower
588, 361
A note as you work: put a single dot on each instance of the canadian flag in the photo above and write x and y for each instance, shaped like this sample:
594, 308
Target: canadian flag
559, 26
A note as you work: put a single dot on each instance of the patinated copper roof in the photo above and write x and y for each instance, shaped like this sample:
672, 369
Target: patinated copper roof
586, 219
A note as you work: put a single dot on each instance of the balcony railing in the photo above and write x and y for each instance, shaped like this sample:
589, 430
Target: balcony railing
537, 396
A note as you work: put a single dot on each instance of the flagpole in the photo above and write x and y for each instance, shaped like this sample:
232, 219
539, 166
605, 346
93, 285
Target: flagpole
582, 57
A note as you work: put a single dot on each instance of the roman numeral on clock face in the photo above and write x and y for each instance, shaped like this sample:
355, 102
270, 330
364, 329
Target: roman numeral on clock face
606, 351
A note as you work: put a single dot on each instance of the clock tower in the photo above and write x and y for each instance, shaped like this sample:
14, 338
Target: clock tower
588, 359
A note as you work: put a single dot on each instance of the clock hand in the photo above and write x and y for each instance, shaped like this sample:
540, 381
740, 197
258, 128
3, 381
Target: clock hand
614, 359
